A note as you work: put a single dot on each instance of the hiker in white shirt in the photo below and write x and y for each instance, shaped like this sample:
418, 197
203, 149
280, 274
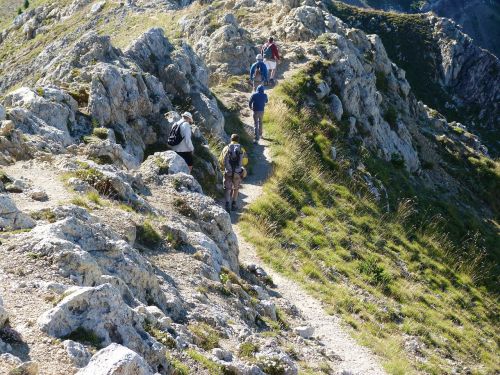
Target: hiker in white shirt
183, 147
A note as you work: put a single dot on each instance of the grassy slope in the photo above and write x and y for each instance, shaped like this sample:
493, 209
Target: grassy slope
8, 10
389, 275
409, 43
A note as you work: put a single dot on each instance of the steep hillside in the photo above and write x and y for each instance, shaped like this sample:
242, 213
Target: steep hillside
479, 19
115, 259
445, 68
373, 243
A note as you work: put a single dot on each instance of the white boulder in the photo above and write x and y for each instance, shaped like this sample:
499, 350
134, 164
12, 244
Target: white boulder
11, 218
116, 360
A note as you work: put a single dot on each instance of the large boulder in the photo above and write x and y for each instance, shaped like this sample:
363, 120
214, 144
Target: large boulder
162, 163
11, 218
116, 359
102, 311
47, 113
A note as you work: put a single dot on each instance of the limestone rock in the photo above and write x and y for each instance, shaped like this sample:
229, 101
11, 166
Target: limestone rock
116, 360
11, 218
39, 195
305, 332
103, 311
161, 163
336, 107
77, 353
13, 365
2, 113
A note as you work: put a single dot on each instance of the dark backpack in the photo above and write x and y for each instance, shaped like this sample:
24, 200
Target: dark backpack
268, 52
234, 153
175, 136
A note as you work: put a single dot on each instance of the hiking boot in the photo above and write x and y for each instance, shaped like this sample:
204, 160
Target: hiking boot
234, 207
228, 208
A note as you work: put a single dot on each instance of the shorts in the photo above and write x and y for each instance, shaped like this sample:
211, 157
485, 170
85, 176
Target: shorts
271, 64
232, 182
187, 156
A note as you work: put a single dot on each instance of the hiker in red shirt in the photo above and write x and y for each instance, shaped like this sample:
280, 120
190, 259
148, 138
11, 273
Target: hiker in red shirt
271, 57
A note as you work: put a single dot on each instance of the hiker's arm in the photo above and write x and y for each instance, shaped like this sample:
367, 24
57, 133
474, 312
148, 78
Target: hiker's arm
250, 103
264, 72
252, 71
276, 52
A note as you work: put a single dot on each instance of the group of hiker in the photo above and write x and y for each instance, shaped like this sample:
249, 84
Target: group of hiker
233, 158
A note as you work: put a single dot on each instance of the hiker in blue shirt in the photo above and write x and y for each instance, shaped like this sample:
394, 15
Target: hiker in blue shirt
258, 72
257, 103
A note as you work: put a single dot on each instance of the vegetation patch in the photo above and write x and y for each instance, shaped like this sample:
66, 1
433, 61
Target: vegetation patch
212, 367
416, 271
206, 336
148, 236
84, 336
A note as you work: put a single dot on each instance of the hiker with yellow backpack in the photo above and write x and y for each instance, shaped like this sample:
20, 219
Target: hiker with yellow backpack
233, 160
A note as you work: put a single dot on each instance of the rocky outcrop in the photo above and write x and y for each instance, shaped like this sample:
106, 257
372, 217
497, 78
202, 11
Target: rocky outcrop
470, 73
226, 47
11, 218
116, 360
102, 311
353, 82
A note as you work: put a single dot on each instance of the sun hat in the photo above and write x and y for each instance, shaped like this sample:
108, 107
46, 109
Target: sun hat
188, 115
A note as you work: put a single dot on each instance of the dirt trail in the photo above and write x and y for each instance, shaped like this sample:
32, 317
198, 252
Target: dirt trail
355, 359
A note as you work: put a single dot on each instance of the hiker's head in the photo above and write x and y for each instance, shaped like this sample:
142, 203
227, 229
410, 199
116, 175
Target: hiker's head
259, 57
188, 117
235, 138
260, 89
271, 39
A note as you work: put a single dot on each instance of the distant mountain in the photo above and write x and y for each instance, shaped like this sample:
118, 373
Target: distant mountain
479, 18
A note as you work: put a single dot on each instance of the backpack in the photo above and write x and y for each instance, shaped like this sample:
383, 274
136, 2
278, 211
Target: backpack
268, 52
232, 154
175, 136
258, 73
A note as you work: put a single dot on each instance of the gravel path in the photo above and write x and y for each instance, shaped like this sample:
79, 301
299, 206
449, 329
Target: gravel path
355, 359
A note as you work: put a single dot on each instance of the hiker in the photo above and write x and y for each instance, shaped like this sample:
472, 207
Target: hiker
233, 160
258, 72
271, 57
257, 103
179, 139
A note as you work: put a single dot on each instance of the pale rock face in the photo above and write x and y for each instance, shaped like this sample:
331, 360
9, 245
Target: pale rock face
336, 107
355, 83
47, 113
91, 254
116, 360
162, 163
113, 151
305, 332
305, 23
2, 113
11, 218
468, 70
77, 353
228, 49
103, 311
220, 239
